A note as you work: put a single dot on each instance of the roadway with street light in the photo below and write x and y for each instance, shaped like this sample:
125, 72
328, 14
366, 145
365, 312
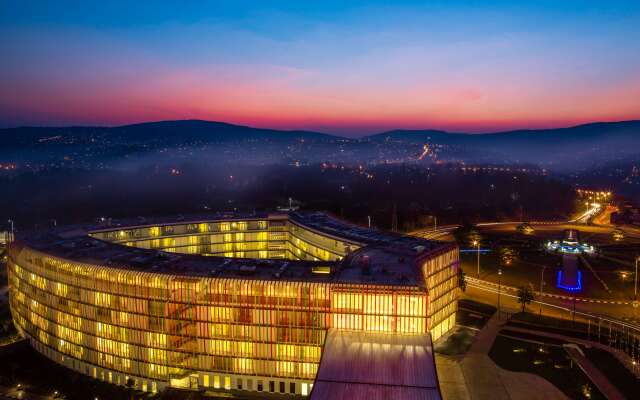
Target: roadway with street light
485, 290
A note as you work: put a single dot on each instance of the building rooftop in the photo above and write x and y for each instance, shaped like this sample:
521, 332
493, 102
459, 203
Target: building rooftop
372, 366
382, 257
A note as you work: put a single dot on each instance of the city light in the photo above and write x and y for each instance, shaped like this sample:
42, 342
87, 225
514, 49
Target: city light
570, 248
576, 288
282, 274
286, 200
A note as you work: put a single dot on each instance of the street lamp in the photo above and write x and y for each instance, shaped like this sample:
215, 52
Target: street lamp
542, 285
499, 289
635, 284
477, 244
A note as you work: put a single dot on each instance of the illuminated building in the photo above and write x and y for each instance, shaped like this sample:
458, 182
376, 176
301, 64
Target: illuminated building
228, 302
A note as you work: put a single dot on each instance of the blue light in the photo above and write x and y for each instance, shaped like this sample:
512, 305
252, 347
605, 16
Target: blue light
570, 288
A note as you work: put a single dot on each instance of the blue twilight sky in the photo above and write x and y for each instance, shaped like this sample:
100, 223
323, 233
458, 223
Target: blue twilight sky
340, 66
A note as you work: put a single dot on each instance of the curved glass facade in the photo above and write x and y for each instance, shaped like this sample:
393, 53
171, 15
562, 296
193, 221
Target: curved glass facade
274, 239
117, 324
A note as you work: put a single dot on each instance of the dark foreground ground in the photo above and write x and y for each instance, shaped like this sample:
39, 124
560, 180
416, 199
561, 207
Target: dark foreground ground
23, 369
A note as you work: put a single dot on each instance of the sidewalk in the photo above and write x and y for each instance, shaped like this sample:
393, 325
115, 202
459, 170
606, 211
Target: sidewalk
477, 377
621, 356
597, 377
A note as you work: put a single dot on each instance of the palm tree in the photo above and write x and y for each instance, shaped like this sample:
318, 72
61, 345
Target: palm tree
525, 296
462, 283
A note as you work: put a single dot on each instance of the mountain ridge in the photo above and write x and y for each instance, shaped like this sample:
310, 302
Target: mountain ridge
581, 145
166, 125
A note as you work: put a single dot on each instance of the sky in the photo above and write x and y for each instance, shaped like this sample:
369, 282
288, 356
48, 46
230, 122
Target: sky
345, 67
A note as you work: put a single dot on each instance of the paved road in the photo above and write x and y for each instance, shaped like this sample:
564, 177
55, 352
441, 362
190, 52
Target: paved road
445, 233
631, 233
441, 233
555, 307
624, 312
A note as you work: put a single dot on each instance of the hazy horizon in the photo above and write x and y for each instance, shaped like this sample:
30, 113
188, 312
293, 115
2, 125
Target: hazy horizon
341, 134
342, 68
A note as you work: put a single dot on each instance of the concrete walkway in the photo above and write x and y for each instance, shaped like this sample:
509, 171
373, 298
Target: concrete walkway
620, 355
602, 382
477, 377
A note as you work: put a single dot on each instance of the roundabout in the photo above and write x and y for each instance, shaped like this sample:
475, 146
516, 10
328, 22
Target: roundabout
515, 254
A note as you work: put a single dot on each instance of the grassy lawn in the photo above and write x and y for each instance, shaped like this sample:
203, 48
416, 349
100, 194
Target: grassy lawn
550, 362
559, 326
550, 322
618, 277
526, 268
470, 318
477, 307
7, 330
473, 314
457, 343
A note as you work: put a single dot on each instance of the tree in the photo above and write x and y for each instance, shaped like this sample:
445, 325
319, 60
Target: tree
462, 283
467, 234
525, 296
130, 384
507, 255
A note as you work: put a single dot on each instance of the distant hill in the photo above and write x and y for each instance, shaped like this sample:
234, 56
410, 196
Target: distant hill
188, 130
564, 148
591, 131
168, 132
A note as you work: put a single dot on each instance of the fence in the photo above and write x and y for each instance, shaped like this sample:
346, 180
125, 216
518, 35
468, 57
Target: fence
617, 334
